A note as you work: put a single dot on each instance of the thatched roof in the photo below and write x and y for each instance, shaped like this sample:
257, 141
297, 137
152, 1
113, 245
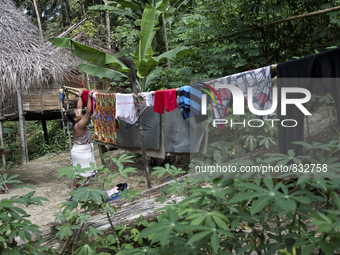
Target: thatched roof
23, 55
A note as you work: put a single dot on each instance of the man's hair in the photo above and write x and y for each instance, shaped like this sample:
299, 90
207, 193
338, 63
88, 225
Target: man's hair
70, 114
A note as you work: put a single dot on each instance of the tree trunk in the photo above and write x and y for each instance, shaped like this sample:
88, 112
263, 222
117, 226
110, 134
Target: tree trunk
165, 38
38, 18
82, 4
68, 11
127, 214
141, 135
108, 27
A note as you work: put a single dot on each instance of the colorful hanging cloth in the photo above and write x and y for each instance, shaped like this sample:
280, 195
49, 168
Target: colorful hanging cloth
165, 98
190, 99
105, 124
260, 81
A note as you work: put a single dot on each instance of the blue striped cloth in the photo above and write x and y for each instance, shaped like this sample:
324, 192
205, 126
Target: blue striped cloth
190, 100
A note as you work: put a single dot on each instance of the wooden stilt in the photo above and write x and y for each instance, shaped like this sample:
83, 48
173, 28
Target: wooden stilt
68, 129
45, 130
2, 141
22, 124
62, 117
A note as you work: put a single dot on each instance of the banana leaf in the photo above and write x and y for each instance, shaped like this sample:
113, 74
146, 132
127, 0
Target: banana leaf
87, 53
103, 73
145, 67
144, 50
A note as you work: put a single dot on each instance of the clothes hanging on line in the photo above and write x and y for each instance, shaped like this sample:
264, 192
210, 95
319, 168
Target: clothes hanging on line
94, 101
105, 123
165, 98
189, 98
84, 99
184, 101
317, 73
148, 97
260, 81
125, 108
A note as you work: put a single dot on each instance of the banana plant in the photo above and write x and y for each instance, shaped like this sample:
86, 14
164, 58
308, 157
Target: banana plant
134, 9
144, 59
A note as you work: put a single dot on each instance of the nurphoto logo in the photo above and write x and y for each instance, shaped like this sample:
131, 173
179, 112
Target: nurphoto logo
238, 104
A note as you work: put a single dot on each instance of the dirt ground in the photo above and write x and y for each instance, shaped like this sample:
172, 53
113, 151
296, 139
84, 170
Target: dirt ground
42, 175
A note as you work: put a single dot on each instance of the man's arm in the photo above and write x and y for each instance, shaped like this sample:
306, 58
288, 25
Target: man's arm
83, 122
80, 101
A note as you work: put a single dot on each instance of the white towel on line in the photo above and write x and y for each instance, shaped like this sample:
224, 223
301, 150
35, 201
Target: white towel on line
149, 98
125, 108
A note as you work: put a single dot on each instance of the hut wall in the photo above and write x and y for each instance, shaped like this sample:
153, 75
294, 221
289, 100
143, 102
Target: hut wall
10, 105
33, 101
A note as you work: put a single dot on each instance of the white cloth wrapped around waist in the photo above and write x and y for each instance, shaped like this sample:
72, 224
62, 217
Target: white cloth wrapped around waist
84, 155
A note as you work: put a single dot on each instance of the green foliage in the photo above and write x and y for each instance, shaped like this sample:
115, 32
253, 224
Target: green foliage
101, 59
123, 171
144, 60
268, 215
175, 187
92, 199
36, 144
226, 215
14, 223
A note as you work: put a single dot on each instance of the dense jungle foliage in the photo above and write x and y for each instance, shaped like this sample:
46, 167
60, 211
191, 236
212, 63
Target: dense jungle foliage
218, 215
213, 30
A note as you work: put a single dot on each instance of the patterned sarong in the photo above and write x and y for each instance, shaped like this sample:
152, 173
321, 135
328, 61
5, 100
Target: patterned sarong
259, 80
105, 124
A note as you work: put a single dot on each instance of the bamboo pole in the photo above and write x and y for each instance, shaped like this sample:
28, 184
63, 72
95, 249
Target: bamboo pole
62, 117
2, 141
68, 129
311, 14
21, 123
2, 134
70, 29
88, 82
70, 88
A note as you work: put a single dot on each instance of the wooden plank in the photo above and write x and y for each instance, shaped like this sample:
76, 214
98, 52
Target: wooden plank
5, 151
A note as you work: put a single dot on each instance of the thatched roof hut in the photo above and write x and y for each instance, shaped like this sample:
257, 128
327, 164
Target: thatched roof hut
25, 59
28, 69
23, 55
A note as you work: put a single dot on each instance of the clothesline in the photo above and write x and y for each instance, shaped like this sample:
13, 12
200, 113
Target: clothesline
272, 69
